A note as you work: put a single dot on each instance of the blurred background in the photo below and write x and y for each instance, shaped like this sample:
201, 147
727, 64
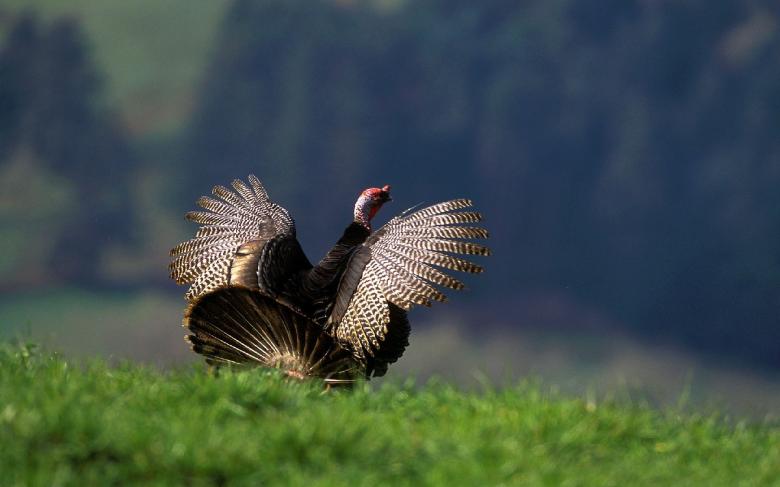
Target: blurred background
626, 154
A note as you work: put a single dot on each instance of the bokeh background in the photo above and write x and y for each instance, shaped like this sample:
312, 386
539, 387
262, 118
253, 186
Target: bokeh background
626, 154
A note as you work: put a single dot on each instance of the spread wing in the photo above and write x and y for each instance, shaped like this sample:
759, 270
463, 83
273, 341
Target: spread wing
236, 227
399, 266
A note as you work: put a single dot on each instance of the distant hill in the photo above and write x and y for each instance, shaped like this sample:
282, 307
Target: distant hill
152, 54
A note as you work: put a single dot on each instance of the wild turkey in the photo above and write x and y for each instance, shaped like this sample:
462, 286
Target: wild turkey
254, 297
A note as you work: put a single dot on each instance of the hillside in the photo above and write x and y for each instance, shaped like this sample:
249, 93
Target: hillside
65, 423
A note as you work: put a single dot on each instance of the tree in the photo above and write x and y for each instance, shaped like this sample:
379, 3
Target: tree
50, 94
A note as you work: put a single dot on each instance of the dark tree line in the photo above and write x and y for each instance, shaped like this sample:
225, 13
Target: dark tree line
50, 115
625, 151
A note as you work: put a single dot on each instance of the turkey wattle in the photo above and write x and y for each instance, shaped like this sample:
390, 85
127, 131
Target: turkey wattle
255, 298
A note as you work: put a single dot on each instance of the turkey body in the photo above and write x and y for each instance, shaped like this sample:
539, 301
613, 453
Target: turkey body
256, 299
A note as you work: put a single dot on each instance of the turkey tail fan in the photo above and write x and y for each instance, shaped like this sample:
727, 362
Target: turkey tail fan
238, 326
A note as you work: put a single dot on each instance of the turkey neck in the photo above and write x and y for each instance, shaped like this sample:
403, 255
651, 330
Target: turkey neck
320, 283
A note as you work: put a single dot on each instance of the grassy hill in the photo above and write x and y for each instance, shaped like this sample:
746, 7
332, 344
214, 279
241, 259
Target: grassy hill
63, 423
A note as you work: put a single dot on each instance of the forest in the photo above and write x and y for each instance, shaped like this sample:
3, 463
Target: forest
626, 152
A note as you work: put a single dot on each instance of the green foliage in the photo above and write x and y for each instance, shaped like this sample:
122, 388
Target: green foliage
65, 423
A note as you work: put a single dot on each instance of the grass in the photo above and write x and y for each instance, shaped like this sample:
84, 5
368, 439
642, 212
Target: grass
145, 326
65, 424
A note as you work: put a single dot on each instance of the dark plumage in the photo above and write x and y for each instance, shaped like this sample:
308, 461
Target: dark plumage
255, 297
238, 326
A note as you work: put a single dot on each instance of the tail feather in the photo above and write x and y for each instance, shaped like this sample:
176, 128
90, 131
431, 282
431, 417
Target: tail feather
234, 325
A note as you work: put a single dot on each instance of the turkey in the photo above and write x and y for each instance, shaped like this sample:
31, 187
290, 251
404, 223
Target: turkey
254, 298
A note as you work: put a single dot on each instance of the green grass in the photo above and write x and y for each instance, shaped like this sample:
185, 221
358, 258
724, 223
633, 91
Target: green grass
90, 424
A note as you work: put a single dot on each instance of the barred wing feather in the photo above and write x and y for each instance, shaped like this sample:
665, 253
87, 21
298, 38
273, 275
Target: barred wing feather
230, 220
399, 266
